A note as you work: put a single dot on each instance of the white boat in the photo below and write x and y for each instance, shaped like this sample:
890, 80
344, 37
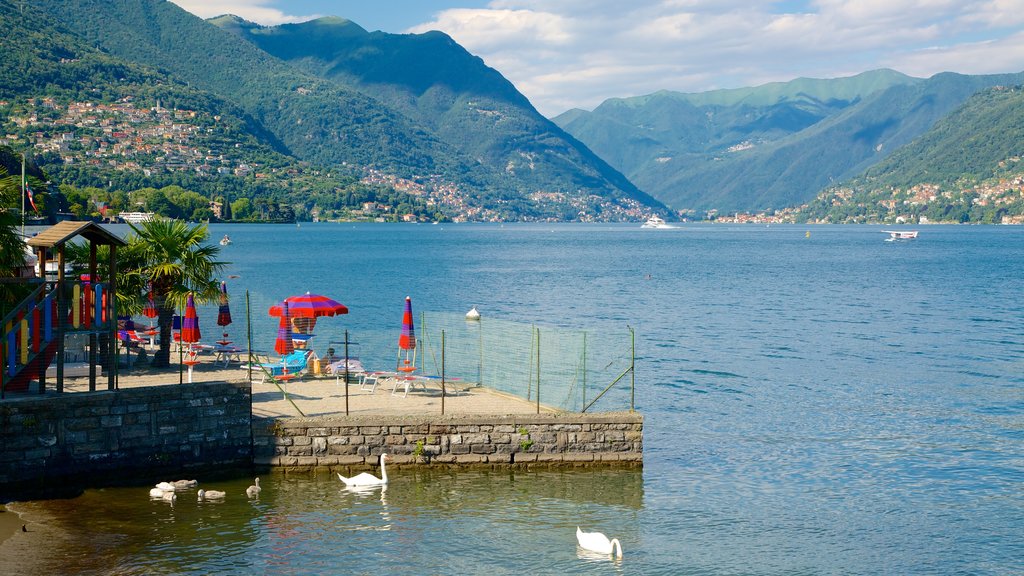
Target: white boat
895, 235
656, 222
225, 240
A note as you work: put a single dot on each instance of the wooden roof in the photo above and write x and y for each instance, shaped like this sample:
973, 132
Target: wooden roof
64, 231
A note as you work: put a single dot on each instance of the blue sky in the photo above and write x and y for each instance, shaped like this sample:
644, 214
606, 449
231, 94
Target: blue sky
566, 54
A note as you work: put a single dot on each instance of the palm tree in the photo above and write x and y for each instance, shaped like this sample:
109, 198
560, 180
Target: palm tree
174, 258
12, 247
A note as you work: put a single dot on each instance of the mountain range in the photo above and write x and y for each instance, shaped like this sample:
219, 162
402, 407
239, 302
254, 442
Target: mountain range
323, 117
481, 137
771, 146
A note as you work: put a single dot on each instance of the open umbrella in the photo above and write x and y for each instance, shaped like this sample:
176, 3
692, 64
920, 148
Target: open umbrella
309, 306
190, 323
304, 310
283, 345
407, 340
223, 311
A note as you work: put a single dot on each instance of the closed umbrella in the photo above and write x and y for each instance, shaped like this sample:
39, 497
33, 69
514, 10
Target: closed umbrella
223, 311
190, 323
149, 310
407, 340
283, 345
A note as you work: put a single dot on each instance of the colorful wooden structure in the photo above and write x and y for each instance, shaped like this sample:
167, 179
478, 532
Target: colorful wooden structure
34, 332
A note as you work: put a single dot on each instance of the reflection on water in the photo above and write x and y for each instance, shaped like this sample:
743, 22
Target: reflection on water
424, 521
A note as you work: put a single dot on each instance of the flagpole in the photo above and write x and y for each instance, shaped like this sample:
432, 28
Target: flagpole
22, 194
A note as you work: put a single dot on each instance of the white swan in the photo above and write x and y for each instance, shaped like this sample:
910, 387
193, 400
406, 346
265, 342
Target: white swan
367, 479
210, 495
598, 542
156, 493
254, 490
165, 486
185, 484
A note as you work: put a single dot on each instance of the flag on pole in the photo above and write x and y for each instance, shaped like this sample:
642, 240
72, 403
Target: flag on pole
31, 200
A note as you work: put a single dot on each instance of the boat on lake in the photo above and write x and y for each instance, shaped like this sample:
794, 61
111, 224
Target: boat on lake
655, 221
895, 235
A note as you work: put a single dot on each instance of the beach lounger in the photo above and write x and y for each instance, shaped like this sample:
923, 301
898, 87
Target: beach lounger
292, 364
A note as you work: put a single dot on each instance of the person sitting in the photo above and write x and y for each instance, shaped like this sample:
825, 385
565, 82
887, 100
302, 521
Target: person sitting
327, 359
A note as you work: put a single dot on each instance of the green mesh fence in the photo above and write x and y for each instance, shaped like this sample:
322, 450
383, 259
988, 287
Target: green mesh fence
566, 369
573, 368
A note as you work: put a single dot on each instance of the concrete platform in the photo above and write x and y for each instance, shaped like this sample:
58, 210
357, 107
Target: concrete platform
325, 396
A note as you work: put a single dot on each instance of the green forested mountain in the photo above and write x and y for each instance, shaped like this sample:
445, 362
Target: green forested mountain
101, 126
323, 120
968, 168
437, 83
768, 147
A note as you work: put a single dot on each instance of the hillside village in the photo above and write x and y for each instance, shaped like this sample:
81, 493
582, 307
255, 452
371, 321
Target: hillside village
126, 137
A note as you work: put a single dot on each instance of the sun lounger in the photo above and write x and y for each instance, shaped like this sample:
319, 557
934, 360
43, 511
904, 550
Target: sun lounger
292, 364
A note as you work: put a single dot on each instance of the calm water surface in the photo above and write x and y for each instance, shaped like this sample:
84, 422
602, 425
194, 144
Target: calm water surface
832, 404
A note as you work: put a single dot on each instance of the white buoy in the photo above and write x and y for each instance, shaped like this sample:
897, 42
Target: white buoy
473, 314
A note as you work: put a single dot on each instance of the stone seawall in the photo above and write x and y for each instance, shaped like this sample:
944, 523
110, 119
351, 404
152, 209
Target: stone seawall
47, 440
554, 439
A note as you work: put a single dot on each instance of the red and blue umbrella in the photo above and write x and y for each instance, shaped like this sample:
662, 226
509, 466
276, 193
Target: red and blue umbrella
309, 306
284, 345
190, 323
223, 311
149, 310
407, 340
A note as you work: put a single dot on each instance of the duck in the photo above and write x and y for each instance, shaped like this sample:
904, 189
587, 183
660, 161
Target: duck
165, 486
185, 484
210, 495
254, 490
598, 542
367, 479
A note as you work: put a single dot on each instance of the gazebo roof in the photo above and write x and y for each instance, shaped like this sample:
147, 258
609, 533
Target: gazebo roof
62, 232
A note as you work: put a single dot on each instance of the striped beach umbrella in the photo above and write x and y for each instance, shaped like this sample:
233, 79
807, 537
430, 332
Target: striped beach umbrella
407, 340
309, 306
190, 323
223, 311
284, 345
149, 310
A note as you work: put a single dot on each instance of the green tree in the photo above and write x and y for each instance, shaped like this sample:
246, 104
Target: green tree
175, 260
12, 248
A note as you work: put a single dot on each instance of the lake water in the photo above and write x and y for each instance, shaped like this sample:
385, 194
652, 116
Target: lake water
822, 404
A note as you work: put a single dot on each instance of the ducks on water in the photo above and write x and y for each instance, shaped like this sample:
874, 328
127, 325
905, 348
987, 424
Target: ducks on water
367, 479
598, 542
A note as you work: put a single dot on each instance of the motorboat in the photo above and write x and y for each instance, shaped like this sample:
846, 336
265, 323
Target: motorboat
656, 222
225, 240
895, 235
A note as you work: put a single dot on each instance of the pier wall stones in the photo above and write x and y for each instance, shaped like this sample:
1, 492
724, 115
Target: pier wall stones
551, 439
109, 434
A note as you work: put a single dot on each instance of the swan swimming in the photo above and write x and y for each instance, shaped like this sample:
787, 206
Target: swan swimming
165, 486
185, 484
598, 542
254, 490
156, 493
210, 495
367, 479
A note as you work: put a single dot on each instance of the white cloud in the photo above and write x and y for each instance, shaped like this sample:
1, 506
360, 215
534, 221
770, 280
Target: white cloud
577, 53
252, 10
